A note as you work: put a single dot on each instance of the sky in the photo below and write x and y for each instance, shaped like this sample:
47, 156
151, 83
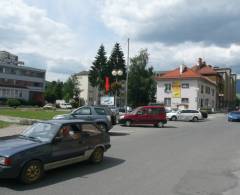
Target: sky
63, 36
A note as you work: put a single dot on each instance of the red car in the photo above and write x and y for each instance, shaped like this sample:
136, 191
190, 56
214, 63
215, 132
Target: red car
155, 115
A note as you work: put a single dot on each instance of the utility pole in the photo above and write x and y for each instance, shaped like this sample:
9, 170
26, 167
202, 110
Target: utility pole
126, 87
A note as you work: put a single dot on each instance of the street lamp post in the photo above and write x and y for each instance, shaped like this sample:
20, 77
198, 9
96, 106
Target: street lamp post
116, 73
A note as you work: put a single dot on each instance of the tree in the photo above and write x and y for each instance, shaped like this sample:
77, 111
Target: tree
71, 89
141, 82
98, 70
53, 91
116, 62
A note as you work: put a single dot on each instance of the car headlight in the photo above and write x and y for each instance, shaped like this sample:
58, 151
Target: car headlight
5, 161
58, 117
121, 117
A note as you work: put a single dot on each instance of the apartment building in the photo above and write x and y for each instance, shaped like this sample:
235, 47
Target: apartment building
184, 88
19, 81
88, 93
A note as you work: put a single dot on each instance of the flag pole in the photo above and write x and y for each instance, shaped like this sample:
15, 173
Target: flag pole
126, 87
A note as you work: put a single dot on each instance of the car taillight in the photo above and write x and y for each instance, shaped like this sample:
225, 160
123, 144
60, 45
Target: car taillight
5, 161
8, 161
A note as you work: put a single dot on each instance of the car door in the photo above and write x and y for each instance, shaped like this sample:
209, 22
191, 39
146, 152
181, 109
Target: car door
180, 115
84, 113
141, 117
94, 135
67, 146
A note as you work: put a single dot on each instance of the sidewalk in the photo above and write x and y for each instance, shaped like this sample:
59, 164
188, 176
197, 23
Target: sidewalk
12, 130
17, 120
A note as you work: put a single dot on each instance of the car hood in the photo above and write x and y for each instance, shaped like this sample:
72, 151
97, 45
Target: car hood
14, 144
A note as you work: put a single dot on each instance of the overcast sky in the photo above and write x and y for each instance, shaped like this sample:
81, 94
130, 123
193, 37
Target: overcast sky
63, 36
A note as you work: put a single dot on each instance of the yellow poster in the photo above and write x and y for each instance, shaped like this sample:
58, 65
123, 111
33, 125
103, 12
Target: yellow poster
176, 89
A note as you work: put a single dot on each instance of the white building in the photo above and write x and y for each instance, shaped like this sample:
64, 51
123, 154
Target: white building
184, 88
88, 93
18, 81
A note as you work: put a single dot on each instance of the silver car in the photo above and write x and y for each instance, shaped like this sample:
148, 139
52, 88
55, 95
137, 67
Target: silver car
189, 115
102, 116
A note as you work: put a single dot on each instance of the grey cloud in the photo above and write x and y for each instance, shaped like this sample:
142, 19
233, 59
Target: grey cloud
173, 22
66, 66
33, 60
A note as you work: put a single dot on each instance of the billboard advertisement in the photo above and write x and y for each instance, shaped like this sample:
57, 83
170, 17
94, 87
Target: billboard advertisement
107, 100
176, 89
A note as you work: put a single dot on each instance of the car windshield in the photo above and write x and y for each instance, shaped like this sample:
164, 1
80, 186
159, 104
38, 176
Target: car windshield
43, 132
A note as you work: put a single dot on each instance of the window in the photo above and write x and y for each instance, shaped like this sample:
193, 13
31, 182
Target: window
167, 87
155, 111
185, 85
202, 88
83, 111
213, 92
90, 129
100, 111
185, 101
207, 90
3, 92
206, 102
167, 101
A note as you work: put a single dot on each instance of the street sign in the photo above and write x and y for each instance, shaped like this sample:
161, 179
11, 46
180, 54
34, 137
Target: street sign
107, 100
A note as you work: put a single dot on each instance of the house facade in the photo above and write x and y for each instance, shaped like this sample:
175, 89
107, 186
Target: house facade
184, 88
225, 80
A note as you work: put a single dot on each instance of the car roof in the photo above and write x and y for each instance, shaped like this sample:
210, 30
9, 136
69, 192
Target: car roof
62, 122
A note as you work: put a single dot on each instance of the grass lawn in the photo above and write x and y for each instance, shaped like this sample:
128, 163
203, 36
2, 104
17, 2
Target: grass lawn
4, 124
31, 113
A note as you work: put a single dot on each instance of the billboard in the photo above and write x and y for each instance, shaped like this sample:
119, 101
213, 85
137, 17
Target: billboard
107, 100
176, 89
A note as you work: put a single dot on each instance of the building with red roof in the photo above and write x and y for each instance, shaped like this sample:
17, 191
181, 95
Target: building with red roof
186, 88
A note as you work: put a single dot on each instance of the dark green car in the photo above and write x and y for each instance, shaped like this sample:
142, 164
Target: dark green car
49, 145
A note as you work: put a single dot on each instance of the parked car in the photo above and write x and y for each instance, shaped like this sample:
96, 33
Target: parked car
102, 116
204, 114
65, 106
155, 115
123, 110
234, 116
172, 115
49, 145
189, 115
49, 107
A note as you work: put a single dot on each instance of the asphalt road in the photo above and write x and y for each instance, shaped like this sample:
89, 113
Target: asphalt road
185, 158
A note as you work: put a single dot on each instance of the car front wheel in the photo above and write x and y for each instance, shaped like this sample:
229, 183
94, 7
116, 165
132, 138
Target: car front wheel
97, 155
103, 127
195, 119
32, 172
173, 118
128, 123
160, 124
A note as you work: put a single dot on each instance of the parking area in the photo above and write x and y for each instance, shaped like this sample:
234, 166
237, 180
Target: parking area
151, 160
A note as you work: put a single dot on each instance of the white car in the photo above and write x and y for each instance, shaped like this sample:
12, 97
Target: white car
65, 105
185, 115
172, 115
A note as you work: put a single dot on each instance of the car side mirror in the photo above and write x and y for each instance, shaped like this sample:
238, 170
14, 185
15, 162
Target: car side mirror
57, 140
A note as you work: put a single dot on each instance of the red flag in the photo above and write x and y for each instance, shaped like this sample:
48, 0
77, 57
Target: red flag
107, 85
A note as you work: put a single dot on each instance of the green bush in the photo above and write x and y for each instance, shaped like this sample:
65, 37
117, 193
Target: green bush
13, 102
